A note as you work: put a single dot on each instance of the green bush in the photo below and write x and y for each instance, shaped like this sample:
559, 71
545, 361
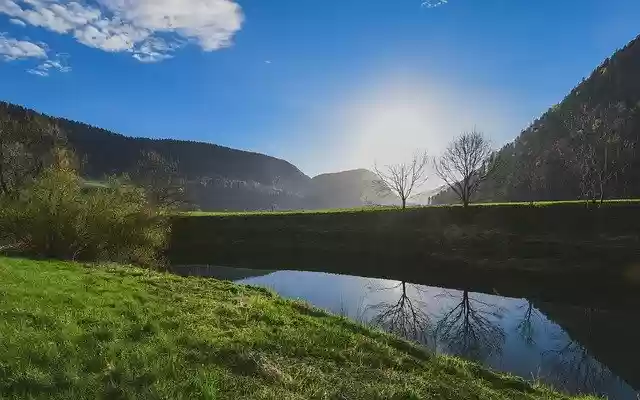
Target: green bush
57, 216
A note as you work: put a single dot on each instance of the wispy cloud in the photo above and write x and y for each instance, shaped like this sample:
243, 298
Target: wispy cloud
59, 63
12, 49
17, 22
150, 30
434, 3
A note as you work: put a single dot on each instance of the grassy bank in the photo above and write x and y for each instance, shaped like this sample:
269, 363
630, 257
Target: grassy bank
70, 331
580, 203
513, 249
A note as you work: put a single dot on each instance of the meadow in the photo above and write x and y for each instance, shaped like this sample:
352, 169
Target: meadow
104, 331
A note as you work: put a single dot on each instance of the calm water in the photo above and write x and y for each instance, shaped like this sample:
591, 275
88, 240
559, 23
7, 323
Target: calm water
574, 349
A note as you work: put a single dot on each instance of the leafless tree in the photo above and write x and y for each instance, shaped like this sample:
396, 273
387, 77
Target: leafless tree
526, 326
404, 179
405, 317
599, 152
466, 163
470, 328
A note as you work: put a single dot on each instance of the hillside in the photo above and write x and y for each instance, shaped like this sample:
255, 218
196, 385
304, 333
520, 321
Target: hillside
584, 147
217, 177
346, 189
90, 332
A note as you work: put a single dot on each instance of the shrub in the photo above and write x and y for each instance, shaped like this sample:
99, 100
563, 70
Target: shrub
58, 216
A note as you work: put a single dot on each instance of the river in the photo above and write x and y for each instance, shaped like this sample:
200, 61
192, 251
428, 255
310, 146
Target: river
572, 348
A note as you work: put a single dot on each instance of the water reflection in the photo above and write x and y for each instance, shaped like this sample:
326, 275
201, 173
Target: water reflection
580, 350
526, 327
573, 363
471, 327
405, 316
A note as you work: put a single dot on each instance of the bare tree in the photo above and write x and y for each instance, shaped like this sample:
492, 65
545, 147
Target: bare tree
402, 179
406, 317
526, 326
599, 152
466, 163
471, 328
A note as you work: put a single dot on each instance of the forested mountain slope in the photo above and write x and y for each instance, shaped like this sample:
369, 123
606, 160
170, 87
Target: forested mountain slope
217, 177
214, 177
584, 147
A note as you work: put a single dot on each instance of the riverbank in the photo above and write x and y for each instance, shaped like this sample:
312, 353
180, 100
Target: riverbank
510, 249
71, 331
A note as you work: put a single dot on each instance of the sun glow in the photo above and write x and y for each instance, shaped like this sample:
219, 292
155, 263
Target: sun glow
392, 121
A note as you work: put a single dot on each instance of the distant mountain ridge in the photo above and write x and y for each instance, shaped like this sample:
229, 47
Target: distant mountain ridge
346, 189
219, 178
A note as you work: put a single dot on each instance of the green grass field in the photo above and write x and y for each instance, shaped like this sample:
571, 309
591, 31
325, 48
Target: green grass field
75, 332
579, 203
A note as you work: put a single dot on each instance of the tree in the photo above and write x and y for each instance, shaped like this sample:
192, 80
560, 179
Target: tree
27, 147
161, 179
402, 179
466, 163
471, 329
526, 326
406, 317
599, 151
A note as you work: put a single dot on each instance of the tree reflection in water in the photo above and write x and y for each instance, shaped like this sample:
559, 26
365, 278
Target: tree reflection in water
406, 317
575, 368
471, 328
526, 326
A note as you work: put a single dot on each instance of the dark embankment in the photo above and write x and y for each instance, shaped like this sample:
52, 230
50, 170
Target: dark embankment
561, 252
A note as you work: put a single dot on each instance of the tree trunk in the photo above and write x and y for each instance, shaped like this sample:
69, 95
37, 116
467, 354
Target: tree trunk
404, 203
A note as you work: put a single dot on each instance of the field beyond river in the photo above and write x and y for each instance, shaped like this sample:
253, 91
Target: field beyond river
563, 251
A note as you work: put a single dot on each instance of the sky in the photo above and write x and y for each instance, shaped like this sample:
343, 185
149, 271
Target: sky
327, 85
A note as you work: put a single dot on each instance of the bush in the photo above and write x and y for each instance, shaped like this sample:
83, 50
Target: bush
58, 216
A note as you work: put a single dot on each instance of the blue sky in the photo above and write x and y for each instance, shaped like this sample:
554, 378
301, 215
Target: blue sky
326, 85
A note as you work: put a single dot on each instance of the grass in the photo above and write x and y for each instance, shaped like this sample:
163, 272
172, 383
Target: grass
87, 332
581, 203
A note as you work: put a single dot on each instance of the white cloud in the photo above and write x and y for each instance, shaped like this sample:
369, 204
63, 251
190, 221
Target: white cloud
17, 22
151, 30
58, 64
434, 3
12, 49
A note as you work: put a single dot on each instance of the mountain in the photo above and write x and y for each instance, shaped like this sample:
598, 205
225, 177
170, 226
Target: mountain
584, 147
346, 189
216, 177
